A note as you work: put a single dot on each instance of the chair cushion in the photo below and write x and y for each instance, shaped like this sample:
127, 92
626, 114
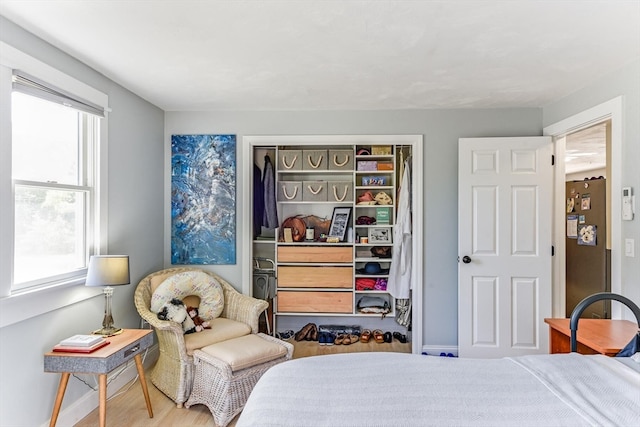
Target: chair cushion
222, 329
245, 352
181, 285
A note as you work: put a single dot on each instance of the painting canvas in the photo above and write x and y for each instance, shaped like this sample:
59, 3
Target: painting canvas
203, 199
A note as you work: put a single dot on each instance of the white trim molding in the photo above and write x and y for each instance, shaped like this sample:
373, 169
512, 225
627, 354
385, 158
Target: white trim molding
610, 110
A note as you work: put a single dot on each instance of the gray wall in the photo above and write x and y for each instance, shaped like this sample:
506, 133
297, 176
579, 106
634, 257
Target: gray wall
136, 204
626, 83
138, 150
441, 130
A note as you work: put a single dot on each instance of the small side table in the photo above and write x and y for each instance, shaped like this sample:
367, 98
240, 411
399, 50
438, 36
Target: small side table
595, 336
122, 348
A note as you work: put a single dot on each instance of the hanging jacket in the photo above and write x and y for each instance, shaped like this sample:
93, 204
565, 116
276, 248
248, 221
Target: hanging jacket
270, 217
399, 283
258, 201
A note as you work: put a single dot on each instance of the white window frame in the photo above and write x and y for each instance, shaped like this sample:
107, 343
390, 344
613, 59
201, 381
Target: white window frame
17, 306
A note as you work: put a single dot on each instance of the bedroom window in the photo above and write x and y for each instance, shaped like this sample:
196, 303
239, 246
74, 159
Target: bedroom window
54, 143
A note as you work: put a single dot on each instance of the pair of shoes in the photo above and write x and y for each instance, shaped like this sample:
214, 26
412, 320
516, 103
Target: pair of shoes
326, 338
365, 336
346, 339
378, 336
446, 355
284, 335
309, 332
400, 337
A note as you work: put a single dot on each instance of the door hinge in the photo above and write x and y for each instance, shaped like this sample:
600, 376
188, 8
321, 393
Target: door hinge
553, 250
553, 160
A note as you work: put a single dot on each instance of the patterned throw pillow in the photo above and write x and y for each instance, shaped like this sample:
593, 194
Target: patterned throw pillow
187, 283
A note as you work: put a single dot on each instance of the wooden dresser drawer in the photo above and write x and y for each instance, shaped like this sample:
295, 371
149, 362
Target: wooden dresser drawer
315, 302
319, 254
315, 277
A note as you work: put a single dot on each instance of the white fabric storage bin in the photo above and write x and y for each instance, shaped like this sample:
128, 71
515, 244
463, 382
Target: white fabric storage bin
314, 191
314, 160
340, 191
289, 191
289, 160
340, 160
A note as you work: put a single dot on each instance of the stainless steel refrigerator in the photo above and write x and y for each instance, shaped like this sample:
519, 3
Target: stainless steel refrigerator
588, 260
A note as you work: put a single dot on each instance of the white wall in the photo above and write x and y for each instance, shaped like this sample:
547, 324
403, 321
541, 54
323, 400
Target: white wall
136, 208
626, 83
441, 130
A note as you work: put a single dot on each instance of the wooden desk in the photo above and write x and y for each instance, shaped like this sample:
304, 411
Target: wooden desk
122, 348
594, 336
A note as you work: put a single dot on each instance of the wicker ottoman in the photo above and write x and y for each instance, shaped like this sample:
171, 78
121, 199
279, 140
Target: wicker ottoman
226, 372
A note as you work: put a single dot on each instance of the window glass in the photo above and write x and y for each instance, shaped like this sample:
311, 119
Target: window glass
53, 190
49, 232
44, 140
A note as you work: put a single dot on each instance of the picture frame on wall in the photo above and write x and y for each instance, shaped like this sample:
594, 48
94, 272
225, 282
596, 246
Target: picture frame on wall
340, 222
380, 235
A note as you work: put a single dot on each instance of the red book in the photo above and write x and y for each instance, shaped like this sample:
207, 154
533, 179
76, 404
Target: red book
70, 349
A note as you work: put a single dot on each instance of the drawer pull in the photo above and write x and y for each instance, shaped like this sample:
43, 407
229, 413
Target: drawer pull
132, 350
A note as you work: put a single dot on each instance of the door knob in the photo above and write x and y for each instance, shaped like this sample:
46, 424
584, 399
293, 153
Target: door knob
466, 259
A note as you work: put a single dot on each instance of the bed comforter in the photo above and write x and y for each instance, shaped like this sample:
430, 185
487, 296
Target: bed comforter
394, 389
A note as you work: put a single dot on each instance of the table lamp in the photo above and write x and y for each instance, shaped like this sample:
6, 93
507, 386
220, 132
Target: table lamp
108, 271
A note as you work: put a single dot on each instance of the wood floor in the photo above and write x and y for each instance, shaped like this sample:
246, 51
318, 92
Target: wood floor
128, 408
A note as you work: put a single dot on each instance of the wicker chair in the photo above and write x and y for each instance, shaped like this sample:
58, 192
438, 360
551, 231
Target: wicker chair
174, 370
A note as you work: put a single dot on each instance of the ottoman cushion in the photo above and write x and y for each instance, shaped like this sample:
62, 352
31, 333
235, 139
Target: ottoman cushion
222, 329
246, 351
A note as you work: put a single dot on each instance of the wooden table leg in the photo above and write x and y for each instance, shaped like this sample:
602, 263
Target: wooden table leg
102, 393
62, 387
143, 383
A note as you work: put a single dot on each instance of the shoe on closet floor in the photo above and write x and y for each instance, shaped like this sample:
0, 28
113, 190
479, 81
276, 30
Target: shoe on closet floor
302, 333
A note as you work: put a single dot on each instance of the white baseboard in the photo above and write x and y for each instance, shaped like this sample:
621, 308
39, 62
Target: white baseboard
82, 407
434, 350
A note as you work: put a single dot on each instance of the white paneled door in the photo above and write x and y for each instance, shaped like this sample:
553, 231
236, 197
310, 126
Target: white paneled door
505, 201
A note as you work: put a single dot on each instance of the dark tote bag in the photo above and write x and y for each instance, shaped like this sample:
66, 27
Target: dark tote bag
632, 348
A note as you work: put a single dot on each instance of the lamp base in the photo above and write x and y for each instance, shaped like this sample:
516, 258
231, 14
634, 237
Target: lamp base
107, 332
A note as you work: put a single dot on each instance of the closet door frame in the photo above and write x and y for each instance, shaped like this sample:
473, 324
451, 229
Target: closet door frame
250, 142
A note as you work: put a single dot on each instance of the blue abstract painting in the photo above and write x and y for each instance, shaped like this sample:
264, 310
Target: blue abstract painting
203, 199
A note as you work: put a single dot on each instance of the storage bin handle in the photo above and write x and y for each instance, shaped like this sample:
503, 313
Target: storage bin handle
344, 195
335, 160
284, 162
286, 196
314, 192
317, 165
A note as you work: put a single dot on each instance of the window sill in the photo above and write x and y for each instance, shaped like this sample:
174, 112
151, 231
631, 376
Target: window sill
22, 306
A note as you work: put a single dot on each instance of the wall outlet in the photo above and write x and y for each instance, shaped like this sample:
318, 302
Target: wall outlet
630, 247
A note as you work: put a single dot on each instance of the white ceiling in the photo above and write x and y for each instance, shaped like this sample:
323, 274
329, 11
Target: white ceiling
341, 55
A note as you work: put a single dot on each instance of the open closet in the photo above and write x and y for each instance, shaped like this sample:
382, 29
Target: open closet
333, 231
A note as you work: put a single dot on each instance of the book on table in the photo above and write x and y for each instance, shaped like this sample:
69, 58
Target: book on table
82, 340
80, 349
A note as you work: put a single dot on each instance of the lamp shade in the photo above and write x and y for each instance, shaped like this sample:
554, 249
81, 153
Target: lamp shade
108, 270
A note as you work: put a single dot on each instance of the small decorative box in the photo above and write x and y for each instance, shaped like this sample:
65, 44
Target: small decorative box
385, 166
367, 165
380, 150
382, 216
374, 180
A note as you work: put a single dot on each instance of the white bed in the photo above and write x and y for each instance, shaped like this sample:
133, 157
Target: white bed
394, 389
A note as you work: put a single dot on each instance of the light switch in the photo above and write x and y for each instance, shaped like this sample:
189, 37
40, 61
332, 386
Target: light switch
629, 247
